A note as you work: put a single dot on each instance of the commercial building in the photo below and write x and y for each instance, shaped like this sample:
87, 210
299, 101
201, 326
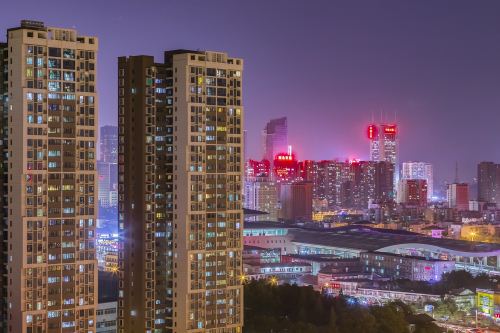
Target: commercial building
488, 182
180, 188
419, 170
49, 122
108, 144
384, 145
412, 192
275, 138
457, 195
296, 201
108, 183
488, 303
397, 266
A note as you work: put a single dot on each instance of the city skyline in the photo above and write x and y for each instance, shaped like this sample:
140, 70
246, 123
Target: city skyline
438, 77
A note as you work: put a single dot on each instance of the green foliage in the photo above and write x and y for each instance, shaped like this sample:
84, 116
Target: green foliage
293, 309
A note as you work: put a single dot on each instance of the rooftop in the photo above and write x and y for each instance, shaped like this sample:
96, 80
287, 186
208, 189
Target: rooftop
365, 238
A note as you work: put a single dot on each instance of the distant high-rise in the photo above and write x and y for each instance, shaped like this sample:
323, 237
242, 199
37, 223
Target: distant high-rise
419, 170
296, 201
488, 179
108, 144
49, 129
275, 138
412, 192
458, 196
384, 146
180, 193
262, 194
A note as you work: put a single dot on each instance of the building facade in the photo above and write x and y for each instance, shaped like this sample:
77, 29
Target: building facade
412, 192
419, 170
405, 267
108, 144
180, 184
457, 195
262, 194
49, 139
275, 138
296, 201
488, 182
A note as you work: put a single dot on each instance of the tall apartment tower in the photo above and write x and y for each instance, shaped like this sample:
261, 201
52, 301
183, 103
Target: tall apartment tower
275, 138
488, 182
419, 170
49, 179
180, 184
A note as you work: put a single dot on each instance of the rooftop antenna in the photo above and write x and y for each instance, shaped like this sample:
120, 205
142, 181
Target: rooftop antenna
456, 172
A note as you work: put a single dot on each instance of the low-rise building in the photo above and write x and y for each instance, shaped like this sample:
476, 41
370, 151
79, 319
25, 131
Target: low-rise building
398, 266
488, 303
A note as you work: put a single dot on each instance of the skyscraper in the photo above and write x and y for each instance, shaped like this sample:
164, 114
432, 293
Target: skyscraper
488, 179
50, 137
419, 170
384, 146
108, 144
275, 138
180, 184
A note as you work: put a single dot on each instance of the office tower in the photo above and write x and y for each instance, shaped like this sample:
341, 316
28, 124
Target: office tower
108, 183
285, 166
51, 134
108, 143
275, 138
458, 196
384, 146
412, 192
180, 184
296, 201
262, 194
488, 179
419, 170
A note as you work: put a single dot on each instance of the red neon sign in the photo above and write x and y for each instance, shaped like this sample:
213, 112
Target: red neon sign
390, 129
372, 132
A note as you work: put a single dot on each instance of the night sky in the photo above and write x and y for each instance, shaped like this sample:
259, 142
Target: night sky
326, 65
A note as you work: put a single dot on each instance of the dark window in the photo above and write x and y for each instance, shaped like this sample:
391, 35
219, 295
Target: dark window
54, 52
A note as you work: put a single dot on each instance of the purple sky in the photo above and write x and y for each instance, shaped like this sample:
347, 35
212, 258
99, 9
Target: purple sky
326, 65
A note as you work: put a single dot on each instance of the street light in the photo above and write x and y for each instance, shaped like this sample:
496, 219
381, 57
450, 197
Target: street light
273, 281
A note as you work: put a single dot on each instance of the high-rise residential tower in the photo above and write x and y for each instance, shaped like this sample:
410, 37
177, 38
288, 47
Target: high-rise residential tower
275, 138
419, 170
488, 182
457, 195
49, 142
180, 184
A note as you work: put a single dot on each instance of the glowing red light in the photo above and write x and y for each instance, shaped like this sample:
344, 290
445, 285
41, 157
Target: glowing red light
427, 268
390, 129
372, 132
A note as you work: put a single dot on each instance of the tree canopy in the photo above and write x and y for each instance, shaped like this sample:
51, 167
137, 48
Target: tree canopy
294, 309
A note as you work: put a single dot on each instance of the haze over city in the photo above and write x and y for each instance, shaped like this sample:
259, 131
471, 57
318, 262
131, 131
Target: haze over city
299, 166
327, 66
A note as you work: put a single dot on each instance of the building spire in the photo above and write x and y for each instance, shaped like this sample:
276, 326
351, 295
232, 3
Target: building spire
456, 172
